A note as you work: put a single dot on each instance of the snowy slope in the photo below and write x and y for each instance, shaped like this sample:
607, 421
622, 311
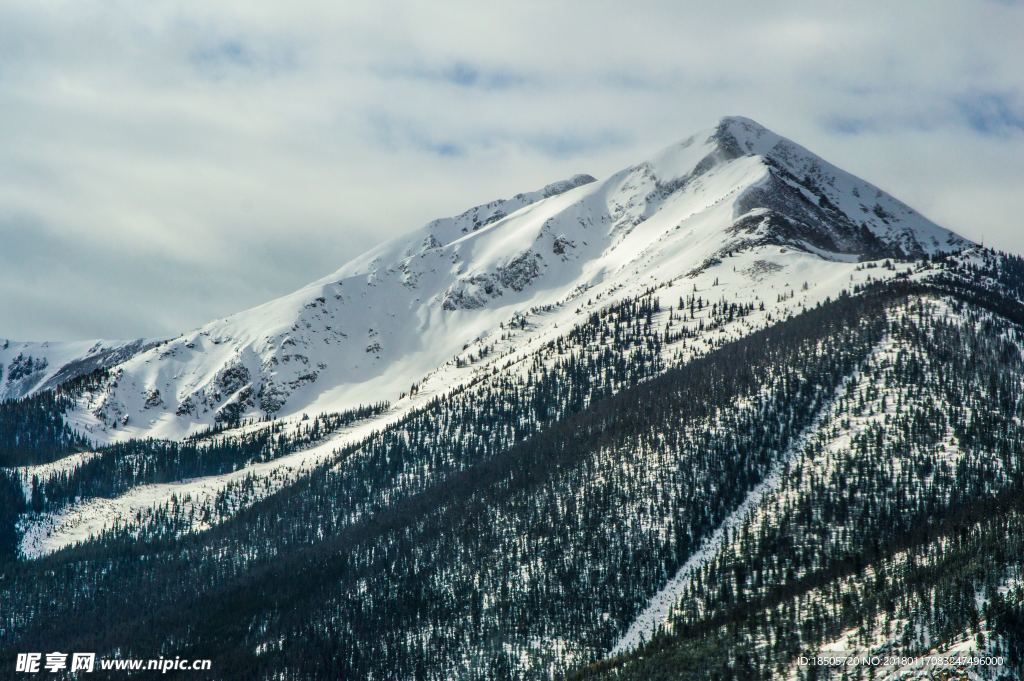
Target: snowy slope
26, 368
722, 215
767, 274
404, 310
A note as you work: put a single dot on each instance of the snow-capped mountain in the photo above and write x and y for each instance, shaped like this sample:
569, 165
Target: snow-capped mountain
730, 404
392, 317
733, 214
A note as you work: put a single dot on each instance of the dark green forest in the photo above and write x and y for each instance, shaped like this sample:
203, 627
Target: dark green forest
515, 528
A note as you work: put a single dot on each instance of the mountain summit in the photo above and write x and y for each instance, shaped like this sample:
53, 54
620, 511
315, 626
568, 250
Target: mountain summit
400, 313
811, 203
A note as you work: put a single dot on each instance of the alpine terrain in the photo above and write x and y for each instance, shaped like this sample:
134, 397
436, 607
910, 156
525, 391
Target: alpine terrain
729, 413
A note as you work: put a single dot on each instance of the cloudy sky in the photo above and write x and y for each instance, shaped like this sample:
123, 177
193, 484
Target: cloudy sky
166, 163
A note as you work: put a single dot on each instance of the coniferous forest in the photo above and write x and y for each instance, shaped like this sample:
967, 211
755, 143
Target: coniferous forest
853, 474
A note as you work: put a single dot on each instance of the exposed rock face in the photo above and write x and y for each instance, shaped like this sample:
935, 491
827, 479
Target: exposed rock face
22, 367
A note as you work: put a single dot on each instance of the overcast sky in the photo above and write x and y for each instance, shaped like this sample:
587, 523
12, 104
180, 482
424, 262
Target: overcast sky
166, 163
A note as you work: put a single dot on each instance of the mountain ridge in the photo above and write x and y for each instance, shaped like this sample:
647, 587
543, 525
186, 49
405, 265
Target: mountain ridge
404, 309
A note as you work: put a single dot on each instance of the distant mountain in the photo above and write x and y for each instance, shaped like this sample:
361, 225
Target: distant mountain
726, 411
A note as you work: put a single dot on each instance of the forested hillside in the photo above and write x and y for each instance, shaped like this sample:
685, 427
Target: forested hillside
517, 528
897, 529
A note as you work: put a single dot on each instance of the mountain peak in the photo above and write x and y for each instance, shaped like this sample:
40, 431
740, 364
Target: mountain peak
785, 194
731, 138
734, 124
740, 136
739, 120
407, 307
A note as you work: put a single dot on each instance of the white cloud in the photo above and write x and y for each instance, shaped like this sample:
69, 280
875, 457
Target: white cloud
166, 163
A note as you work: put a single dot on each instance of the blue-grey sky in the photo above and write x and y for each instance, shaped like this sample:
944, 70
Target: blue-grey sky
166, 163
